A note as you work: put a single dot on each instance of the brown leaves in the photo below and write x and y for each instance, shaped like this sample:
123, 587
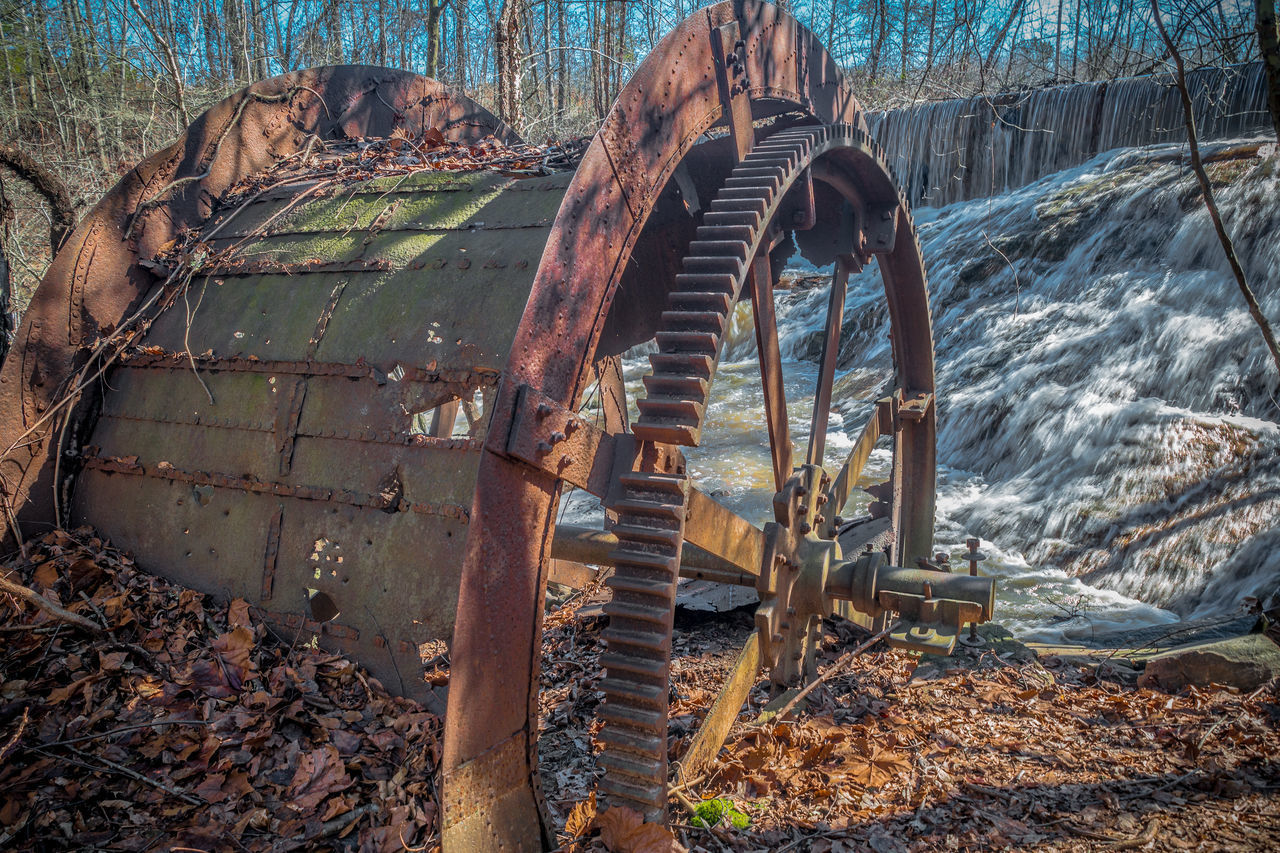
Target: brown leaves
400, 153
320, 773
234, 741
623, 830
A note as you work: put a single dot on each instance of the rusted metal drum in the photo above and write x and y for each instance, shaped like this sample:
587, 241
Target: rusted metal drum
275, 436
354, 402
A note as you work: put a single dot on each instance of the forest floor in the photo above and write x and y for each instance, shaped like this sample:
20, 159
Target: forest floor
164, 720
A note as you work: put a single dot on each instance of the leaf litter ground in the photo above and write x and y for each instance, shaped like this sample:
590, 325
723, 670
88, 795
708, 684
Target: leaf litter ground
191, 724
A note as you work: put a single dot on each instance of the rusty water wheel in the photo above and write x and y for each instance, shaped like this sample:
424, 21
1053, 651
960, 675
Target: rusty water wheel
262, 445
658, 509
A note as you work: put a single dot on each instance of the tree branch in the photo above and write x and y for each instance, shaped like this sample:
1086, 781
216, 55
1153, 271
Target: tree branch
58, 613
1269, 49
1197, 165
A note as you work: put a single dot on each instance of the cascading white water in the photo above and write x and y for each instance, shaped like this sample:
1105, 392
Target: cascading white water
1107, 407
968, 148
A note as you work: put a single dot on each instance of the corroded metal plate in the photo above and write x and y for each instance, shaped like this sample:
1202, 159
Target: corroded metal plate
287, 461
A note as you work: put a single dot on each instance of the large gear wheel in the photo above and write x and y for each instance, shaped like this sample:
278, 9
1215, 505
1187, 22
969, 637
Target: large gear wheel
730, 251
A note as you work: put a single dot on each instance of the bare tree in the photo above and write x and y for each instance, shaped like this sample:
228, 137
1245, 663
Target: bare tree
1197, 165
1269, 47
6, 318
506, 48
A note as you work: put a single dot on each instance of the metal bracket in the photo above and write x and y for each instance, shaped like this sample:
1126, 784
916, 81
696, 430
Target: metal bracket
555, 440
729, 53
559, 442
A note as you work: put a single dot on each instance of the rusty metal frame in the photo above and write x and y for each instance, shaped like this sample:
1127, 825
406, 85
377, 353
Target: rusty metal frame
749, 55
671, 101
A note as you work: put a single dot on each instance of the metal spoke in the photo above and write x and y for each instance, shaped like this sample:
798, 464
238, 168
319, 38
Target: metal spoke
826, 376
576, 547
851, 470
775, 396
724, 712
722, 532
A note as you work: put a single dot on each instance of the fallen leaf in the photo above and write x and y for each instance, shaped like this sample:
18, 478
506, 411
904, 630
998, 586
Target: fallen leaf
623, 830
581, 816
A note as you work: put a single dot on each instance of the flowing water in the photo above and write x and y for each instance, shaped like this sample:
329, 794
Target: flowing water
1107, 409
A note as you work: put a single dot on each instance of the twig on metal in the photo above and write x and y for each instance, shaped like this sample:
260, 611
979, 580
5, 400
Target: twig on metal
186, 334
1197, 165
158, 199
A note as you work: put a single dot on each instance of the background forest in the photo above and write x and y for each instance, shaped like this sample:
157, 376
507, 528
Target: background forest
88, 87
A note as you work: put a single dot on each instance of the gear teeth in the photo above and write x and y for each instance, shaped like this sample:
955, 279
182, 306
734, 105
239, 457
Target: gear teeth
637, 660
651, 510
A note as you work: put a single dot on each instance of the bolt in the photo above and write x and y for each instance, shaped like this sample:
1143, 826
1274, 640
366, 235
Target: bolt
822, 499
543, 448
791, 611
821, 519
928, 591
779, 559
777, 638
566, 461
801, 491
786, 626
557, 437
570, 426
973, 572
805, 527
803, 509
543, 410
838, 521
797, 655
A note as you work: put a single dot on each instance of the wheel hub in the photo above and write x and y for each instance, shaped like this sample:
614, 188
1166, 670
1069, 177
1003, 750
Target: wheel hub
794, 576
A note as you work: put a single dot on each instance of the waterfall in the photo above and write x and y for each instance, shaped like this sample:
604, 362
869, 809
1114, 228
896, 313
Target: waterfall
1107, 409
954, 150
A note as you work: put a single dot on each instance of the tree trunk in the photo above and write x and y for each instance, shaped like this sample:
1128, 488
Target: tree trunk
1269, 47
506, 48
906, 38
562, 62
998, 43
259, 58
434, 10
460, 27
6, 321
237, 50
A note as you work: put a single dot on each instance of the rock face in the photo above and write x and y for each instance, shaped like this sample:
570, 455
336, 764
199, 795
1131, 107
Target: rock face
1243, 662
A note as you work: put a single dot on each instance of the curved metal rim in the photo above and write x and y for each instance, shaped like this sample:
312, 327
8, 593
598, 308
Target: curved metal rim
670, 102
96, 282
634, 748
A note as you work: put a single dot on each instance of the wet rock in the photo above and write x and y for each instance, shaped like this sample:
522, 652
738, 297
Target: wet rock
1242, 662
1177, 634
